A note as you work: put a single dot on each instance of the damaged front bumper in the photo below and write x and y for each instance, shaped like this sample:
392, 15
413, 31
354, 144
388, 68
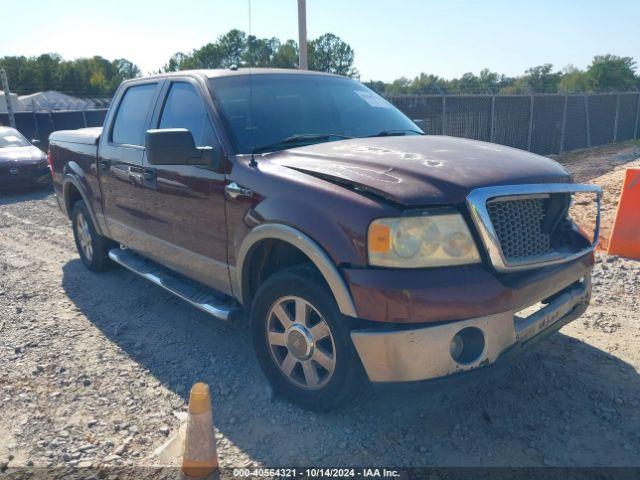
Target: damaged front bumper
432, 352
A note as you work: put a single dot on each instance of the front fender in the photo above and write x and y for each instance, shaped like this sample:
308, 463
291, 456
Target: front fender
306, 245
327, 222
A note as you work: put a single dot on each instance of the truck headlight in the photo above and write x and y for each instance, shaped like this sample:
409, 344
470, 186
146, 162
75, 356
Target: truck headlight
421, 241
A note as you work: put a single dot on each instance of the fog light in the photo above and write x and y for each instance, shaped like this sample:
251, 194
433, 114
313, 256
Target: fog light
467, 345
457, 344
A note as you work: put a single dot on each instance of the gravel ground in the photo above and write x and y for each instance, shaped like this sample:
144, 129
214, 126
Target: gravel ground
95, 370
604, 166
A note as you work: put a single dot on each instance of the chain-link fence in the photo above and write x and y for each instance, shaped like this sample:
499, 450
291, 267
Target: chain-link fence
543, 123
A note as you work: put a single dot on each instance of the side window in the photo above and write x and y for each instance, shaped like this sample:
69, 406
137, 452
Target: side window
130, 124
184, 109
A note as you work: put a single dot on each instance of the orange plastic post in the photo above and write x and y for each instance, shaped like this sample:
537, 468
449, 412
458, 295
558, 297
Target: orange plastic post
625, 234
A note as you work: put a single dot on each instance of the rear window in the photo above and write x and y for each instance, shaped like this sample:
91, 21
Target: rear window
131, 120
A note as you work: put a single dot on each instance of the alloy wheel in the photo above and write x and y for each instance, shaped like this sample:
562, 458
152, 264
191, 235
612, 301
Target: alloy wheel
301, 342
84, 236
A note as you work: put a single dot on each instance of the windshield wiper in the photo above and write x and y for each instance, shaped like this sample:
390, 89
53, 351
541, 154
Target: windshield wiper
306, 138
395, 133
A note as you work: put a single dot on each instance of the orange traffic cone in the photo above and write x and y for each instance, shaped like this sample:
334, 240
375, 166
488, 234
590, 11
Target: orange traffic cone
625, 234
199, 458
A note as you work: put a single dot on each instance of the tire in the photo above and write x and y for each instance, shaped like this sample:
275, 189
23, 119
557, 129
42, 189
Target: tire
92, 247
290, 355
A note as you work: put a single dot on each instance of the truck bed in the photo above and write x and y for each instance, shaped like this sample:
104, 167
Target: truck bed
74, 154
85, 136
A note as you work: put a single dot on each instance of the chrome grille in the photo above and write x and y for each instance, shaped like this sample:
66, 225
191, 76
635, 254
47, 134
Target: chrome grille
518, 225
525, 226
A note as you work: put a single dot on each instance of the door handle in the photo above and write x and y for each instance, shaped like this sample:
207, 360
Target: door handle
146, 177
135, 174
105, 165
149, 174
233, 190
150, 177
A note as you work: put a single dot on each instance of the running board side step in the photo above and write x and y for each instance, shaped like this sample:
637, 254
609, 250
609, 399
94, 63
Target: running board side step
204, 298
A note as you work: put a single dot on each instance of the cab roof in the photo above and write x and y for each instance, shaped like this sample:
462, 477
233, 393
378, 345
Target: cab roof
220, 72
228, 72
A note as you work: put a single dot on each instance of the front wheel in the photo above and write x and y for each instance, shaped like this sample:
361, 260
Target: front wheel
302, 342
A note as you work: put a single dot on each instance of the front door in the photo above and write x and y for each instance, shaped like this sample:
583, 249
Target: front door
186, 202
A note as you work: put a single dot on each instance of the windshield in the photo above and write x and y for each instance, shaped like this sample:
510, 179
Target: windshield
12, 138
288, 110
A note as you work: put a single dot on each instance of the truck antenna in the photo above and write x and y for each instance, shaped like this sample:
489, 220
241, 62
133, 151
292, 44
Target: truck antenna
252, 162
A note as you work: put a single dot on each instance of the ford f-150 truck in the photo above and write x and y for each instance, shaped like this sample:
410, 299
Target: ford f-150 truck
362, 248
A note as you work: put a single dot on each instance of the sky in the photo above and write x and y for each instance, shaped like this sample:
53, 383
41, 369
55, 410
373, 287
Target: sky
390, 38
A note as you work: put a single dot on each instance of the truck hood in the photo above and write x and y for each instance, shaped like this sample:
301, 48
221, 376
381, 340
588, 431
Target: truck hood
421, 169
28, 154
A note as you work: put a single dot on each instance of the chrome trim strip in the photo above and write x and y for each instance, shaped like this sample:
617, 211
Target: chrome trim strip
533, 196
477, 204
308, 247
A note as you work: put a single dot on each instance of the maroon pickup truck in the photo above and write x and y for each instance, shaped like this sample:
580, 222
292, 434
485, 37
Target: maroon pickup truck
362, 247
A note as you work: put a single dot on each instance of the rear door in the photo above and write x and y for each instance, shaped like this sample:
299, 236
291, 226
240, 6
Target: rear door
120, 161
188, 222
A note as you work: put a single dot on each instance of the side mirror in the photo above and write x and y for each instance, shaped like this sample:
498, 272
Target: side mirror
35, 142
420, 123
175, 146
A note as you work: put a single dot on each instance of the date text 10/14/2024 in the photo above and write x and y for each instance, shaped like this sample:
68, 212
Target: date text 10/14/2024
318, 472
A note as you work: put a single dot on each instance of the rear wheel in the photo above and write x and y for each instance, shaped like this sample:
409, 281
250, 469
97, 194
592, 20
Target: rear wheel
92, 247
302, 341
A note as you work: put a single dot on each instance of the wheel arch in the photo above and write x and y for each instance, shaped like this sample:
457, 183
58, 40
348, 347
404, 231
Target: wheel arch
72, 191
302, 243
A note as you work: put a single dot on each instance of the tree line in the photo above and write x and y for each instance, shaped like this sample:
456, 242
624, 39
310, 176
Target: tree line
606, 73
97, 76
83, 77
327, 53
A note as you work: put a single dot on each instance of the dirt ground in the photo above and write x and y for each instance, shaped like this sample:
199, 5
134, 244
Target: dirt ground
95, 370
